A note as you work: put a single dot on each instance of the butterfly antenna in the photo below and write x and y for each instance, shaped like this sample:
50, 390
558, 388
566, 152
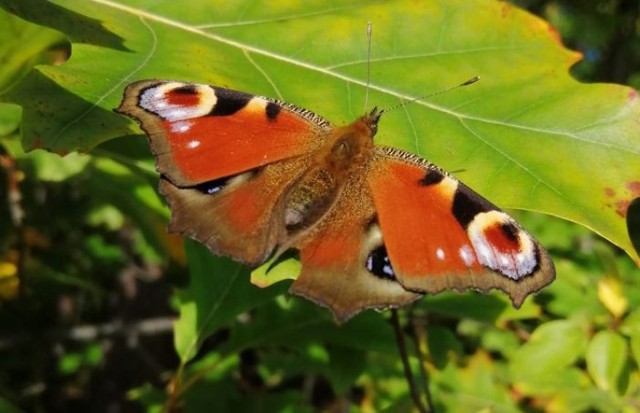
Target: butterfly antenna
366, 92
406, 102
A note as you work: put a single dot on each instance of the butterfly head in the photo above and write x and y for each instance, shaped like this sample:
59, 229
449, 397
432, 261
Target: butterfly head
371, 120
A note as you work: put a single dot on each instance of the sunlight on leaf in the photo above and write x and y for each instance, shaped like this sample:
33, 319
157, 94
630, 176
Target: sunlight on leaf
611, 295
508, 134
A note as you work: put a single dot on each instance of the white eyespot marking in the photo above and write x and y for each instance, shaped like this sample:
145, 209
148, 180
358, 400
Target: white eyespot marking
214, 189
214, 186
504, 260
181, 126
467, 256
377, 260
175, 101
386, 267
193, 144
440, 254
522, 258
501, 245
483, 251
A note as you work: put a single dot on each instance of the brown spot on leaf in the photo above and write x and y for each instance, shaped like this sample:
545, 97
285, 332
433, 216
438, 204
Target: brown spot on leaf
621, 207
37, 144
506, 10
555, 34
634, 188
621, 204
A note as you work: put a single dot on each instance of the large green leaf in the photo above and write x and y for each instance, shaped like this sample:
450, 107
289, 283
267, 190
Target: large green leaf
22, 45
217, 293
476, 387
303, 323
606, 358
527, 136
545, 362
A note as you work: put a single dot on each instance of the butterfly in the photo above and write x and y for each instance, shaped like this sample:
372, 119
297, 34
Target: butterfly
375, 227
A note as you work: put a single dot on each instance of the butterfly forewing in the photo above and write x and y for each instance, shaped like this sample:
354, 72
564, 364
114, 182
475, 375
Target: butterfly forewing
439, 234
201, 133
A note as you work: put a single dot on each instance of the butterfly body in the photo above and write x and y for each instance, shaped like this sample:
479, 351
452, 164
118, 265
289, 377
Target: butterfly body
375, 226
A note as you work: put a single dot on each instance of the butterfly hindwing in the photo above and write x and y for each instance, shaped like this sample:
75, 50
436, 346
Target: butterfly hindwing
240, 216
341, 266
439, 234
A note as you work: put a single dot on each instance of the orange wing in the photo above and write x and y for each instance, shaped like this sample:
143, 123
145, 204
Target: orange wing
200, 133
338, 269
226, 160
240, 216
439, 234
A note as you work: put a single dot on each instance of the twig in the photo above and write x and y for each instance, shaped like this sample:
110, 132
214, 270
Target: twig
87, 332
402, 348
418, 332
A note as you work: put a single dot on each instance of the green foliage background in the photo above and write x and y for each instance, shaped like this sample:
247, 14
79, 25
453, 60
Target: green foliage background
89, 278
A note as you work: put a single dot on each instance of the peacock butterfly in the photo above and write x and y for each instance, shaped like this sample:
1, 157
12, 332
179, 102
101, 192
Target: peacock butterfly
375, 226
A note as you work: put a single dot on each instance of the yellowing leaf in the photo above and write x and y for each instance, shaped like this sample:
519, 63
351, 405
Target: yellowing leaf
9, 282
611, 295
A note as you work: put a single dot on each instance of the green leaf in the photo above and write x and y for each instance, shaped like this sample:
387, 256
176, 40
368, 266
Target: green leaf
443, 345
150, 398
9, 118
50, 167
7, 407
476, 386
219, 291
488, 308
631, 324
270, 273
346, 364
544, 362
217, 390
511, 131
22, 45
606, 360
635, 346
139, 202
574, 293
300, 322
